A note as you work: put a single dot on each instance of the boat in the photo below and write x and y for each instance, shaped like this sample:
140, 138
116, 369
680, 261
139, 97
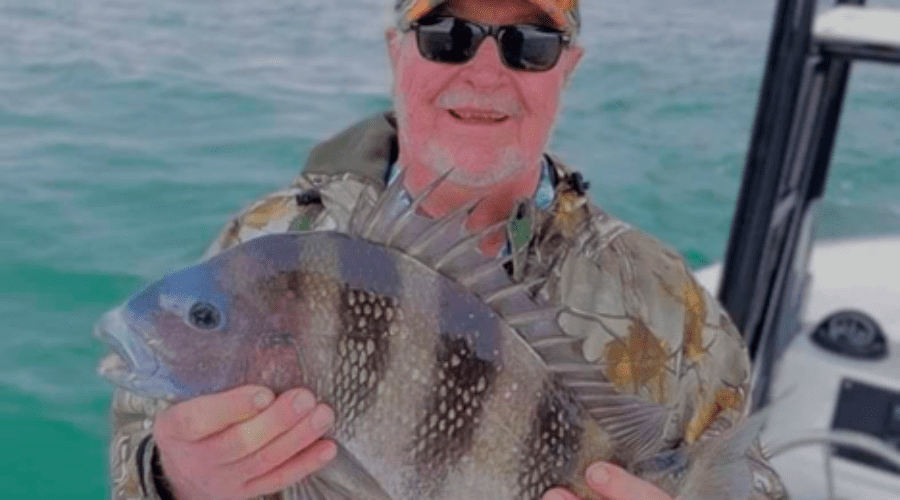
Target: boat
821, 318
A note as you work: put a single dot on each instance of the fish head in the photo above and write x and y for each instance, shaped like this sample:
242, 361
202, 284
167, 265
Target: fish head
164, 339
232, 320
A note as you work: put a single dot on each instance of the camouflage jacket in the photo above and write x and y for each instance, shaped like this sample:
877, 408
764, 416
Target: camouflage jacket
662, 336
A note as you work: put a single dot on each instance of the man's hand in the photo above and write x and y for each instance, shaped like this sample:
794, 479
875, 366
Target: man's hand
612, 483
240, 444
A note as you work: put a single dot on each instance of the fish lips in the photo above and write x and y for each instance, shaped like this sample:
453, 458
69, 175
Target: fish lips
131, 364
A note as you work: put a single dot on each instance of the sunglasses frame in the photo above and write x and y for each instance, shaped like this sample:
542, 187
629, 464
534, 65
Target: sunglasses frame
495, 31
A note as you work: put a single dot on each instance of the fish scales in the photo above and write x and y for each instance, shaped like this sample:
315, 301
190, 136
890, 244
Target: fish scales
435, 394
472, 399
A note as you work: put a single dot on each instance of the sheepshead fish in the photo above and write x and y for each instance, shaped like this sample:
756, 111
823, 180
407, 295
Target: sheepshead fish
449, 380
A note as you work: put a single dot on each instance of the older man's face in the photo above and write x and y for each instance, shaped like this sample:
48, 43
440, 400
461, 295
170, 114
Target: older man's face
488, 122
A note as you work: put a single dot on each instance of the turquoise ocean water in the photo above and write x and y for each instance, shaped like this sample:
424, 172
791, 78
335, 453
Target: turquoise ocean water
130, 131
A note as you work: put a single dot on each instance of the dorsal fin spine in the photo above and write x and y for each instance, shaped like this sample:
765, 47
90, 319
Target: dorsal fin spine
534, 316
377, 217
507, 291
455, 219
464, 245
473, 277
399, 223
361, 209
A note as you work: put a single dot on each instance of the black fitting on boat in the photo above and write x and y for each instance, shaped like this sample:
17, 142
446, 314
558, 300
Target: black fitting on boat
851, 333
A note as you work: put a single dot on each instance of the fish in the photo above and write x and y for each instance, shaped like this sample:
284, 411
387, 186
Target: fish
448, 377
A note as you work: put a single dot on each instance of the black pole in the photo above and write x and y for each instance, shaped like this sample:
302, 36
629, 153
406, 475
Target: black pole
742, 284
765, 274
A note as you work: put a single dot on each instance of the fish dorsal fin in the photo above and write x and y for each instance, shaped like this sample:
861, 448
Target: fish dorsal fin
428, 243
450, 261
344, 479
479, 278
399, 223
393, 220
447, 246
361, 210
370, 220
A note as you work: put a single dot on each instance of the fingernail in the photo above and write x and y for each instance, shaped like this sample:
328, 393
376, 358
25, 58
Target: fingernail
304, 402
262, 399
328, 454
552, 495
598, 474
321, 418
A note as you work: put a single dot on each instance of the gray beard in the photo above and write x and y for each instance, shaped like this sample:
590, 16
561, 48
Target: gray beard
507, 162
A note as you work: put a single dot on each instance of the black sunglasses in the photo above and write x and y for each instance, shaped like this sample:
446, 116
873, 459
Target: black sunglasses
524, 47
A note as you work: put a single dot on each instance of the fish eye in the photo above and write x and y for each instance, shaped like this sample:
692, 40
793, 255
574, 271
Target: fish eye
204, 316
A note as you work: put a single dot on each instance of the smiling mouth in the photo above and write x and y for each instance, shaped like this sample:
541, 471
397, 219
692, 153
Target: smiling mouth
478, 117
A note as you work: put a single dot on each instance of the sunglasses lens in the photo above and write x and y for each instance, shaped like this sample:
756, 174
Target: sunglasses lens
531, 48
448, 40
451, 40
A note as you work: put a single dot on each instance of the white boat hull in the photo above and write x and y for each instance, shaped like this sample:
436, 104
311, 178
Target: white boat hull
862, 275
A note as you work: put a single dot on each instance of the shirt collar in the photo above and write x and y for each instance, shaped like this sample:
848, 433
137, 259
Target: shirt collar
543, 195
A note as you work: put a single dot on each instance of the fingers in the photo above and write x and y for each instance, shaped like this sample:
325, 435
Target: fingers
614, 483
204, 416
559, 494
301, 436
304, 464
250, 435
257, 453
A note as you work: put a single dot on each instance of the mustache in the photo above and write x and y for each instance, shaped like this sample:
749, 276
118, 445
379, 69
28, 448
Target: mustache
499, 103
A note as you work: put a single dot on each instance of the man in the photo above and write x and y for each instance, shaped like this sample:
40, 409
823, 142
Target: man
480, 101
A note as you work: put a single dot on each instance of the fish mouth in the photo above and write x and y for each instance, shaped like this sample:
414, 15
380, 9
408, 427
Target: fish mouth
130, 359
116, 369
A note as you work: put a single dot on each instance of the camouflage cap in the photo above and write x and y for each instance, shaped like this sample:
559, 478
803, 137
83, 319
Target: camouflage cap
563, 12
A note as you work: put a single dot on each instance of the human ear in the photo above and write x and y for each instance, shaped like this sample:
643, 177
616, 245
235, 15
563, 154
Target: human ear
392, 37
572, 58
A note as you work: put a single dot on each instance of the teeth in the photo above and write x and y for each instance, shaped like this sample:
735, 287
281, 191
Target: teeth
111, 362
112, 366
478, 115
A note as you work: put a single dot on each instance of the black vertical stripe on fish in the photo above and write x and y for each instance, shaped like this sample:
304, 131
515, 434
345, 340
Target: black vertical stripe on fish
362, 352
552, 446
463, 382
366, 306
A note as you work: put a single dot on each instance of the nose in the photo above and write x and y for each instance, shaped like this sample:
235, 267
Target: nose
486, 70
